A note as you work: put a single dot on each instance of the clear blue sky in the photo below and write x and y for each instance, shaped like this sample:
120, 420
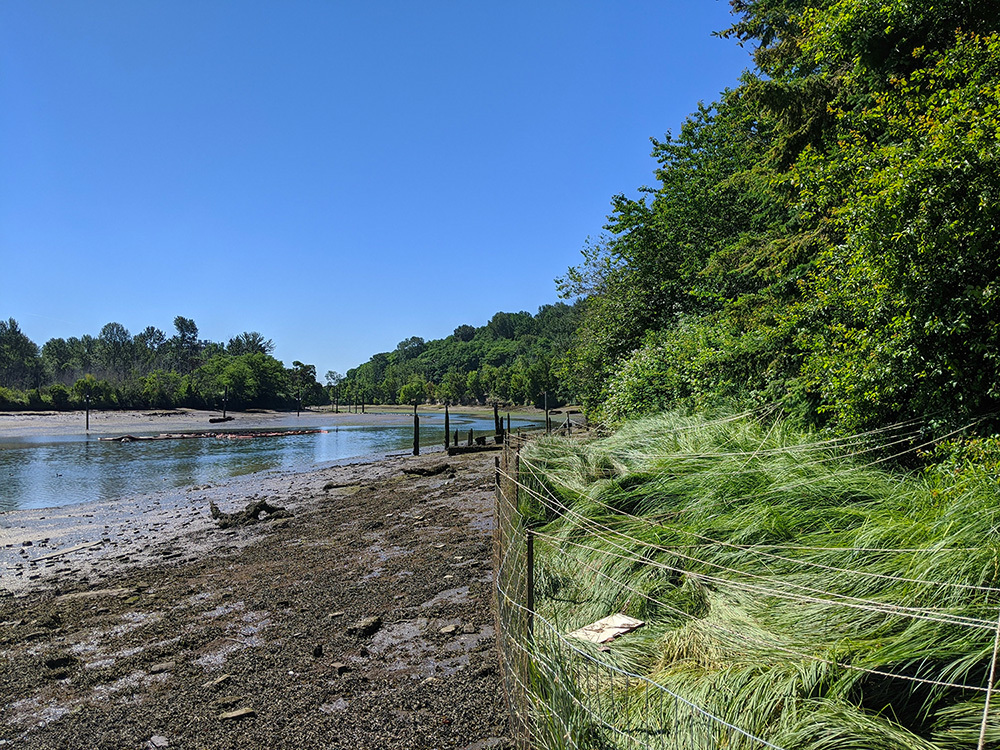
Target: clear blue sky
336, 175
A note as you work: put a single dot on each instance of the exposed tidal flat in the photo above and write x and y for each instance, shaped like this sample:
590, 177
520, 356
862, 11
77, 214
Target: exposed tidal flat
363, 620
51, 460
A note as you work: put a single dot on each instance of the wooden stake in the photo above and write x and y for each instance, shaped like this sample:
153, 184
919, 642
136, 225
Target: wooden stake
989, 687
416, 432
530, 581
447, 429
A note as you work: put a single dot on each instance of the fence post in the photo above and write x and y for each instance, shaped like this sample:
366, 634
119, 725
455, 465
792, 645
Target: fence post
530, 603
989, 687
447, 428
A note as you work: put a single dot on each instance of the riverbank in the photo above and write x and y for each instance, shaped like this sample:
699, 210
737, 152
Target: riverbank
30, 424
362, 621
20, 424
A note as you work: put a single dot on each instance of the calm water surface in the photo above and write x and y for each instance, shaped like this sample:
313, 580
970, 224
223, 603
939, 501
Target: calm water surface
43, 472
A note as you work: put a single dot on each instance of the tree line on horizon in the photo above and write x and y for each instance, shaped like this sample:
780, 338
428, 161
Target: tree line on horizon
513, 359
116, 369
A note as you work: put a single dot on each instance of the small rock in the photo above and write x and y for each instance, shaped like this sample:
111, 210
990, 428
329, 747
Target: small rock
59, 662
448, 629
336, 614
318, 651
217, 682
164, 666
365, 627
158, 740
469, 628
339, 667
240, 713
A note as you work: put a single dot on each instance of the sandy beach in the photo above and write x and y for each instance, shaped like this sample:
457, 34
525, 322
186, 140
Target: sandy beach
363, 620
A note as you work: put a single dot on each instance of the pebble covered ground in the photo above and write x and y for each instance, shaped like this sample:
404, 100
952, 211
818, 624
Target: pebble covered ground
363, 621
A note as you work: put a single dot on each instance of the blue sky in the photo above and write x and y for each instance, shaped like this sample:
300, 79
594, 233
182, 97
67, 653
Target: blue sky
338, 176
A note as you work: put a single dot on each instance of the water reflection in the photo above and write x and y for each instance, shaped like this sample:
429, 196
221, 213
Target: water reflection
47, 472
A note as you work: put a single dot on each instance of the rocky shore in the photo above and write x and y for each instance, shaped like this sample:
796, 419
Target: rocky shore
362, 621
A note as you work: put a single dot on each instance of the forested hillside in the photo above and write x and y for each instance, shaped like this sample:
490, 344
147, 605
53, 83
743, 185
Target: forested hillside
824, 236
515, 358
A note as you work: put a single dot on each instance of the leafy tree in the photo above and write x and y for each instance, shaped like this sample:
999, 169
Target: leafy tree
464, 333
185, 344
414, 391
20, 361
115, 349
410, 348
249, 342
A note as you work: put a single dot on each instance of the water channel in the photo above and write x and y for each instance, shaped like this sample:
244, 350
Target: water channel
43, 471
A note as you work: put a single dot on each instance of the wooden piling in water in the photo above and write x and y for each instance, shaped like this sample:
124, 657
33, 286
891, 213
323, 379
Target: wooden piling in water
416, 432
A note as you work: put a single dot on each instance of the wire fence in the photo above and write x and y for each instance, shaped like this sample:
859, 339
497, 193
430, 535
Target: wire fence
563, 692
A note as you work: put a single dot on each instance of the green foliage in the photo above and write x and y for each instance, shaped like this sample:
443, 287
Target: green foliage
787, 585
824, 236
20, 365
911, 293
148, 370
511, 359
59, 395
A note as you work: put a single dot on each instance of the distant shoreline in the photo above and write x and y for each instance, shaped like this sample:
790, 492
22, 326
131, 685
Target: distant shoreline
15, 424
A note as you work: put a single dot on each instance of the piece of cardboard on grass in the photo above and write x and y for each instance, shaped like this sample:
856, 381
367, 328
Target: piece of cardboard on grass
607, 628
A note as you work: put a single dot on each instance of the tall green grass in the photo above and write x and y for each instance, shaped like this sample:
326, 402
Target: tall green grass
790, 584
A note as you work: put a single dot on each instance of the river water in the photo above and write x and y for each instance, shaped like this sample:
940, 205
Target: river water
52, 471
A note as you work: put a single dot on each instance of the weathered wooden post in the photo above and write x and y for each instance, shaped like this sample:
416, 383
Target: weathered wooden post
989, 688
548, 427
530, 573
86, 401
456, 438
470, 436
497, 429
416, 432
447, 428
508, 423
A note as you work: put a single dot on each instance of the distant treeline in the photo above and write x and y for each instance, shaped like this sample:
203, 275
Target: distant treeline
149, 370
516, 358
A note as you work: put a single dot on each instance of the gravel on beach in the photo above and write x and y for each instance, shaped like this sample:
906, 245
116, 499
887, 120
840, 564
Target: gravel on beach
362, 621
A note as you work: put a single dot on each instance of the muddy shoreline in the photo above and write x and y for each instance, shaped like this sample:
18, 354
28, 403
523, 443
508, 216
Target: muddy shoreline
362, 621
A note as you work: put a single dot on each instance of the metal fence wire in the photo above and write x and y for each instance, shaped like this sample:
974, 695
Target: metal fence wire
561, 692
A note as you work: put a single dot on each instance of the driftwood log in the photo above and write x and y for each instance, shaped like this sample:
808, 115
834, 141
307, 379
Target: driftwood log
249, 515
